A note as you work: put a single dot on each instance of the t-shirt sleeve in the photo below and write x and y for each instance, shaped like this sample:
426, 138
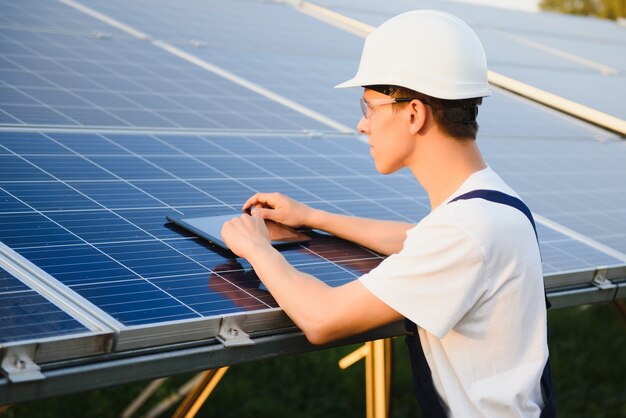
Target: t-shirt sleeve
435, 280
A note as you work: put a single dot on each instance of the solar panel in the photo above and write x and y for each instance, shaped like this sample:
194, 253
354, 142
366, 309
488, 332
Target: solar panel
104, 135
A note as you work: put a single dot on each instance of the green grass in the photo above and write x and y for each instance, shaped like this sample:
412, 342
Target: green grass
588, 350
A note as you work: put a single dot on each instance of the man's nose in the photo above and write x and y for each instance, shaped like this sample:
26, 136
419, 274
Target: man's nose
363, 125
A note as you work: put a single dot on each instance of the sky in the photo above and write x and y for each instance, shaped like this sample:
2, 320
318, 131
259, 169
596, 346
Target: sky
526, 5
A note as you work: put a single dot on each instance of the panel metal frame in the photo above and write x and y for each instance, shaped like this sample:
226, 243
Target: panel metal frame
97, 340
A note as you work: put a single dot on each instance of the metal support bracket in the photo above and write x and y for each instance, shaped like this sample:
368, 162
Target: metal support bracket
600, 280
19, 366
230, 333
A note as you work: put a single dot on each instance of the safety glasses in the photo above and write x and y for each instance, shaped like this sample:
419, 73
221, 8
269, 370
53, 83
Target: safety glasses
367, 107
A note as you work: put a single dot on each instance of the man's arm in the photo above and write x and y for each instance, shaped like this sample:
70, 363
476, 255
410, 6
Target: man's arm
322, 312
384, 237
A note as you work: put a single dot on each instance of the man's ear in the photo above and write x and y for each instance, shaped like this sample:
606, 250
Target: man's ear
418, 113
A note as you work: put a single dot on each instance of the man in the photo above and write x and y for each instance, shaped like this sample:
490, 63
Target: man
467, 278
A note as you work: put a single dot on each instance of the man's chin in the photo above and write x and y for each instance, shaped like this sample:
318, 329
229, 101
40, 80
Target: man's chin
385, 169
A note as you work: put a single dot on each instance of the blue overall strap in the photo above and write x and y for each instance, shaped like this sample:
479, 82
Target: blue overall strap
505, 199
430, 402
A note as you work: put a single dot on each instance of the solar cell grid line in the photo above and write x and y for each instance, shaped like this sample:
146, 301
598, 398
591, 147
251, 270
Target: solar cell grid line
117, 261
292, 181
49, 109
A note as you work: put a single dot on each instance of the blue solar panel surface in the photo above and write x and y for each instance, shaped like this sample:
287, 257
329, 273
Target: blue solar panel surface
25, 314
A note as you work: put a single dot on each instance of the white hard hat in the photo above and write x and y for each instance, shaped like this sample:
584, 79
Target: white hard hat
428, 51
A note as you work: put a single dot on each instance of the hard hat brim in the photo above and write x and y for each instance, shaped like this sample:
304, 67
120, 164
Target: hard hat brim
353, 82
467, 93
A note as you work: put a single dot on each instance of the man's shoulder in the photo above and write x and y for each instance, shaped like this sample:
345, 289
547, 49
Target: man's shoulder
485, 221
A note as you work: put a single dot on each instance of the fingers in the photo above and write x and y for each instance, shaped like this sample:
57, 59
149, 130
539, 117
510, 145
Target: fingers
252, 201
242, 233
262, 213
259, 199
266, 200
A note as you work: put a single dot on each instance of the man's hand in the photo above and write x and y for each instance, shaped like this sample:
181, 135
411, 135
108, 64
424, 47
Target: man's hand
279, 208
244, 234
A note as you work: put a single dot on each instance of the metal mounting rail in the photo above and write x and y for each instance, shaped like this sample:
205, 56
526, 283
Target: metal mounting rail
118, 368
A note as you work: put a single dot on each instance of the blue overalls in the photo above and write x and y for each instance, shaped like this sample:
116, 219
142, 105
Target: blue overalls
430, 402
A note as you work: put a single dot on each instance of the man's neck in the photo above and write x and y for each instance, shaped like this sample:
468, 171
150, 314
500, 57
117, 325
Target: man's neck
443, 164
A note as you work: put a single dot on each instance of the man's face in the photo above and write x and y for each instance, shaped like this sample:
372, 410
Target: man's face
387, 132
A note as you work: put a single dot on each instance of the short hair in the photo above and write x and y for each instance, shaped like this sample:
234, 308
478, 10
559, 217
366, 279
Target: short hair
456, 118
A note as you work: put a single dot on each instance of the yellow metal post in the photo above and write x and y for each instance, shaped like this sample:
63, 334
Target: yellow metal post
197, 396
377, 355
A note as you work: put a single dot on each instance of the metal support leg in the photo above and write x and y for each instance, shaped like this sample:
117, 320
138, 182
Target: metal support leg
173, 398
377, 355
197, 396
142, 398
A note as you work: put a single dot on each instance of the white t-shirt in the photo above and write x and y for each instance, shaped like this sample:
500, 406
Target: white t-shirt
469, 275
